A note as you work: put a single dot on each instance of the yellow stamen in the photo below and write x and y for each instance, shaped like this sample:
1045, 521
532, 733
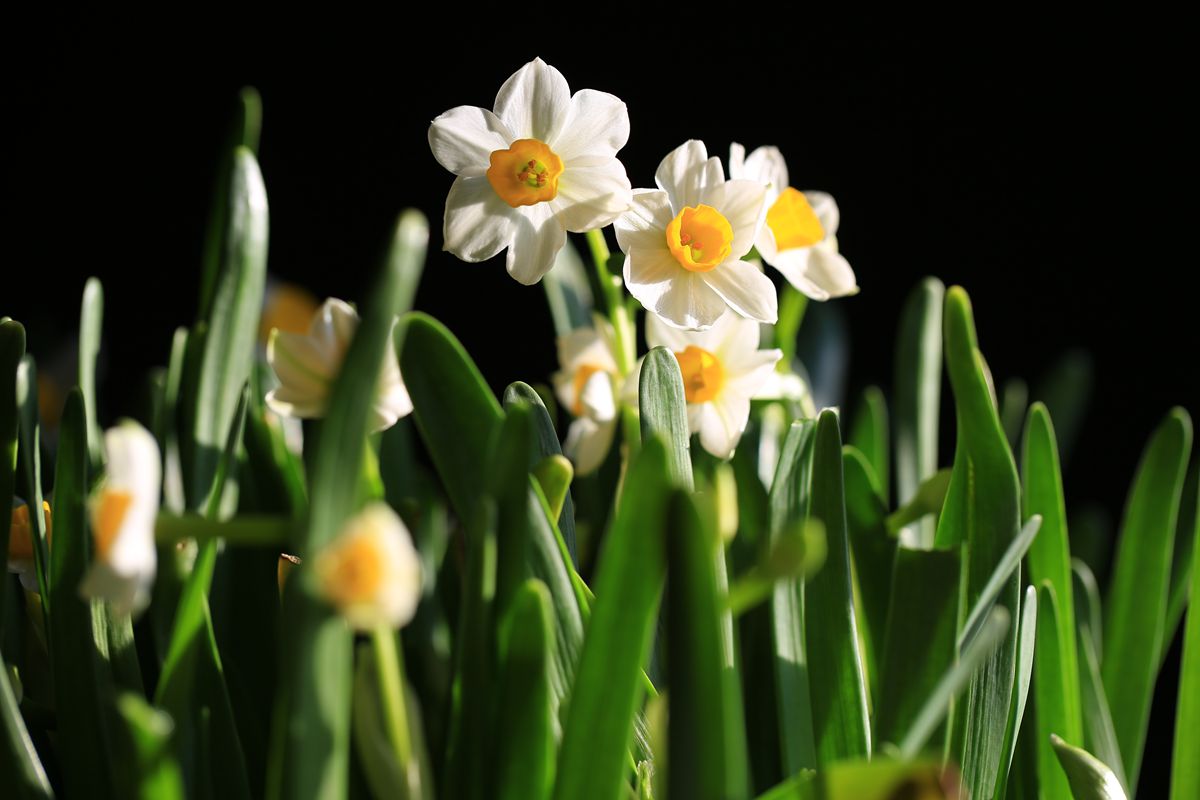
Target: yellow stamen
581, 378
793, 221
107, 519
20, 536
526, 173
351, 570
703, 375
699, 237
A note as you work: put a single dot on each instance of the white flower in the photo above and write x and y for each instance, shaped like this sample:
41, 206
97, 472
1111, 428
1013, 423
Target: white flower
20, 544
800, 237
371, 572
122, 514
684, 242
587, 386
722, 369
307, 365
543, 163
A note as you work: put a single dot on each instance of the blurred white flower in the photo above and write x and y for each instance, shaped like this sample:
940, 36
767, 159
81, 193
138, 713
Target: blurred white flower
544, 162
122, 514
684, 242
587, 385
371, 572
722, 370
800, 237
306, 366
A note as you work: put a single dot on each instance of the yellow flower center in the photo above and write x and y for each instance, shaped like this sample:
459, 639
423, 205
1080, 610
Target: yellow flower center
703, 375
106, 521
20, 537
351, 571
699, 237
793, 221
581, 378
526, 173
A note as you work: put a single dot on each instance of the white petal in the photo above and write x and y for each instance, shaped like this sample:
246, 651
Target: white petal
746, 290
597, 399
134, 465
534, 102
722, 423
742, 203
392, 402
826, 209
338, 321
464, 138
478, 223
680, 297
752, 374
587, 444
539, 237
737, 161
597, 127
686, 172
660, 334
734, 340
592, 197
819, 272
766, 165
128, 594
290, 403
645, 224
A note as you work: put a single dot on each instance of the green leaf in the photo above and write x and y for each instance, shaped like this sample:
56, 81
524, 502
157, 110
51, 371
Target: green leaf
789, 503
1185, 767
568, 292
12, 348
156, 774
706, 734
1050, 561
91, 322
921, 633
29, 460
593, 758
1089, 777
1005, 569
553, 475
869, 434
1014, 398
80, 689
1087, 599
21, 768
1056, 692
226, 351
310, 748
929, 499
918, 387
1135, 613
525, 737
1099, 734
1026, 643
372, 743
664, 411
987, 516
1183, 558
1066, 389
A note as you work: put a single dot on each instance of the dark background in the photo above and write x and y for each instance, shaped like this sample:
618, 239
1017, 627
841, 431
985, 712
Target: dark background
1045, 166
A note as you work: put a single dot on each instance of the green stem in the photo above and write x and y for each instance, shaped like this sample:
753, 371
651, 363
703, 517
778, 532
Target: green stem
246, 530
610, 287
792, 305
389, 664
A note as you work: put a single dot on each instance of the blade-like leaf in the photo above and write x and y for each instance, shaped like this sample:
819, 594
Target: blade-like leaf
1099, 735
568, 292
1056, 692
155, 773
526, 719
1184, 556
1185, 767
1014, 399
29, 483
869, 433
12, 348
1089, 777
1023, 680
20, 765
874, 553
1136, 608
664, 411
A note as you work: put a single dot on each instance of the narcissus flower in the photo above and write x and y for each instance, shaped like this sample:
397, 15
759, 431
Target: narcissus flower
371, 572
722, 369
800, 237
307, 365
587, 385
539, 165
122, 514
20, 544
684, 242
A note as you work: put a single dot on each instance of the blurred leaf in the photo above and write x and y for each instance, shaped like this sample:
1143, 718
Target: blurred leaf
1014, 399
1056, 692
1099, 735
869, 434
917, 397
1087, 600
929, 499
372, 743
525, 735
149, 731
91, 323
798, 552
1066, 389
21, 768
1185, 767
1184, 556
921, 633
593, 758
1092, 536
1023, 680
792, 304
553, 475
310, 747
1089, 777
568, 292
874, 555
29, 477
664, 411
1135, 612
12, 348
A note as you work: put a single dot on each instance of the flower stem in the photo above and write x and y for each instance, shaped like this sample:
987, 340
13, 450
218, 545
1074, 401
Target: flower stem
254, 530
610, 287
389, 665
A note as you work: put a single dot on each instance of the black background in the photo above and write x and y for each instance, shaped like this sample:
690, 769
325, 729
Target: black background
1046, 166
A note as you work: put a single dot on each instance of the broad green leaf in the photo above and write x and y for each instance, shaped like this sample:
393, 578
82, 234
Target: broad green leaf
1089, 777
225, 353
1023, 680
525, 737
1099, 734
988, 495
310, 748
509, 488
664, 411
81, 687
706, 737
91, 322
919, 647
1183, 559
29, 463
869, 434
874, 553
1050, 561
21, 770
593, 758
1136, 608
1185, 767
154, 771
1056, 692
568, 292
12, 348
917, 397
1005, 569
788, 506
